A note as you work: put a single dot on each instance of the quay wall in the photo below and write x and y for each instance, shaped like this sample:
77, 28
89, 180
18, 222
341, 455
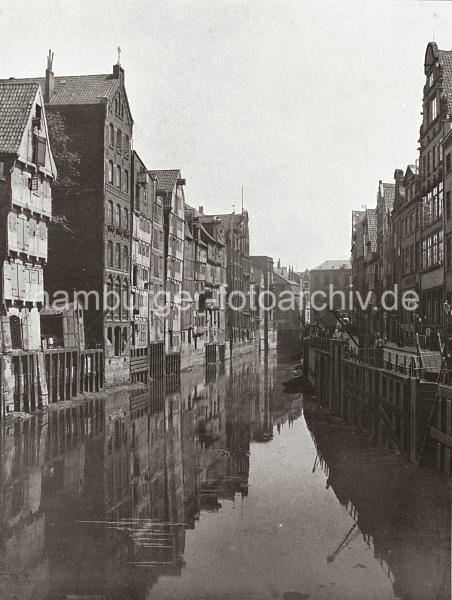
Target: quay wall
388, 398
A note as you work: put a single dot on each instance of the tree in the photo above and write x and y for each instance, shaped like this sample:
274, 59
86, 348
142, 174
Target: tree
67, 163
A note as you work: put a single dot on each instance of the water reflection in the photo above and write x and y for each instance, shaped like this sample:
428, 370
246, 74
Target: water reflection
403, 514
210, 486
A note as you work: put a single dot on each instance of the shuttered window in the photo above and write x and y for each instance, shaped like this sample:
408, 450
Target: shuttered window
40, 146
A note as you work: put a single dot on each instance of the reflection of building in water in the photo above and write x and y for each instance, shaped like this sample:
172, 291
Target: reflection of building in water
42, 469
262, 409
22, 523
238, 426
403, 515
97, 498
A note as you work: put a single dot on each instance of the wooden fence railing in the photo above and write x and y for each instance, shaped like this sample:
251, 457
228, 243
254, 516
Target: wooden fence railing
30, 380
70, 373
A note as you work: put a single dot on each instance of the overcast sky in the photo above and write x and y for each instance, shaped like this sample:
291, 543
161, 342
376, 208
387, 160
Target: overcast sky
306, 104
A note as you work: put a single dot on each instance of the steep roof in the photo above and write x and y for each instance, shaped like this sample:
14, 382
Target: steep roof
166, 178
445, 59
371, 220
388, 190
16, 101
333, 264
77, 89
278, 278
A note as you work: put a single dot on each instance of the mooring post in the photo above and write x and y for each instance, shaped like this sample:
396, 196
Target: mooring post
448, 433
414, 388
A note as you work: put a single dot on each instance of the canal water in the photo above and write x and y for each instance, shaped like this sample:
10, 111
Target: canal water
217, 486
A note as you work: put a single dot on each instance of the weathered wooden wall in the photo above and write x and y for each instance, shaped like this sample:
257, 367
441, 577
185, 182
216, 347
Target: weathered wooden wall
383, 397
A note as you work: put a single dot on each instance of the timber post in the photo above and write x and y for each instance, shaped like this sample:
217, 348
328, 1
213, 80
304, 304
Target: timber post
413, 418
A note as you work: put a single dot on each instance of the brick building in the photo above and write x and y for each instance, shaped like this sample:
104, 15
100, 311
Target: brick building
237, 243
435, 123
384, 262
403, 324
27, 171
331, 275
263, 265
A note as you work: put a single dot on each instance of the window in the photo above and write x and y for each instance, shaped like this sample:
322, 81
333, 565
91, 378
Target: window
117, 256
125, 218
110, 172
432, 250
2, 170
433, 109
40, 147
119, 140
126, 145
109, 254
33, 183
125, 301
117, 341
117, 215
125, 258
430, 80
448, 162
109, 217
111, 138
118, 177
449, 252
125, 182
109, 301
448, 206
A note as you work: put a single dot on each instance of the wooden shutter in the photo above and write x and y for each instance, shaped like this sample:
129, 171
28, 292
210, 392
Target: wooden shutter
14, 282
12, 231
20, 233
22, 291
7, 283
41, 151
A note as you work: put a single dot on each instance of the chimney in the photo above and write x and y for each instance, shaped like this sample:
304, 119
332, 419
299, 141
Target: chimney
118, 72
201, 209
50, 79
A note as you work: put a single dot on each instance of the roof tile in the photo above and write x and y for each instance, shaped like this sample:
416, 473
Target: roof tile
16, 101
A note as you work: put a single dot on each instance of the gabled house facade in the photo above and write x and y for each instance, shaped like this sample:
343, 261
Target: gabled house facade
170, 186
27, 172
143, 194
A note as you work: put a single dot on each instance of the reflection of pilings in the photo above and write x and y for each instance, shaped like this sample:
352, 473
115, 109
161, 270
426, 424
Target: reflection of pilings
69, 427
379, 497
